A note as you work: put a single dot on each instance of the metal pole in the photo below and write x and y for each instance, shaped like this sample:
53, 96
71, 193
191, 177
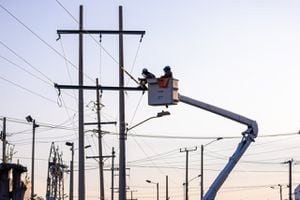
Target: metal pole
112, 173
157, 190
167, 188
280, 190
81, 177
201, 179
100, 144
122, 158
290, 179
186, 175
34, 125
72, 173
4, 141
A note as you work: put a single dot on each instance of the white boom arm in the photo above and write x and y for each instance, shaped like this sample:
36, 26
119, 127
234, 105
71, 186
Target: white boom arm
248, 137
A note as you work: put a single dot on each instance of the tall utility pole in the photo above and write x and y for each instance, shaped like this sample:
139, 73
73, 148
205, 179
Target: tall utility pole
187, 170
100, 144
122, 126
4, 141
81, 172
100, 156
121, 88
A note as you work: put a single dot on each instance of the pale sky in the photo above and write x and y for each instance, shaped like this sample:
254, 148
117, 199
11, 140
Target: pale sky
238, 55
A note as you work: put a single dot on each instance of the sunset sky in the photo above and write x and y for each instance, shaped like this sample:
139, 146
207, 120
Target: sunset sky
242, 56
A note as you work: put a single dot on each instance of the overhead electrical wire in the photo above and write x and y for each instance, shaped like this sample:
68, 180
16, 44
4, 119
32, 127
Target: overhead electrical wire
62, 6
162, 172
47, 125
23, 69
157, 156
99, 43
28, 90
40, 38
164, 136
24, 60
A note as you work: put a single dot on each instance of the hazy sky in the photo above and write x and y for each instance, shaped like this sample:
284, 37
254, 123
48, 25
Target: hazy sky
238, 55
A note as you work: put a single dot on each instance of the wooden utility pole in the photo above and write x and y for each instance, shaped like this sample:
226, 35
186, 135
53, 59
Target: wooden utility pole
121, 89
100, 144
122, 126
100, 156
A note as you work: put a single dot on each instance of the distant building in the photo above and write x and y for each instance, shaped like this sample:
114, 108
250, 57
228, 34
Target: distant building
297, 192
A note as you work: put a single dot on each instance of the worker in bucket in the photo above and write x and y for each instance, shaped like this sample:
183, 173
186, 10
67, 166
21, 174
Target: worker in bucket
146, 75
168, 72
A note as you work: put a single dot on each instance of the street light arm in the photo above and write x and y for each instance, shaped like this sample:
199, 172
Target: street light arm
160, 114
219, 138
141, 123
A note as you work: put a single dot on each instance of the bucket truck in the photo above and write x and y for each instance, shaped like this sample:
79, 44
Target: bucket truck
165, 92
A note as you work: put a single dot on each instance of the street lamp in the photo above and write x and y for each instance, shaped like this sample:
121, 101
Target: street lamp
71, 144
71, 187
202, 173
34, 126
157, 188
160, 114
280, 190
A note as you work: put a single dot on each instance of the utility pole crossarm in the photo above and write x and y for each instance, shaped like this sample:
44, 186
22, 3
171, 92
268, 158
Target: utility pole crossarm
90, 87
102, 123
101, 32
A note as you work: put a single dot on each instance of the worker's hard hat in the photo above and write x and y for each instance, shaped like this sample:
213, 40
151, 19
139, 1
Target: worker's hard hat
145, 70
167, 68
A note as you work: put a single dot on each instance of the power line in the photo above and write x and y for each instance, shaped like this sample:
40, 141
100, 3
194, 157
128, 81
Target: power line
23, 69
69, 13
28, 90
99, 43
164, 136
23, 59
205, 137
40, 38
32, 92
50, 126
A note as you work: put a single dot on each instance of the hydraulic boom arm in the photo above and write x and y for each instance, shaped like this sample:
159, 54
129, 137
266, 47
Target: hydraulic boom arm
248, 137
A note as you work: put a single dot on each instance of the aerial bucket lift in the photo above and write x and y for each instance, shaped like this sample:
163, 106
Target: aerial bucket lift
164, 92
